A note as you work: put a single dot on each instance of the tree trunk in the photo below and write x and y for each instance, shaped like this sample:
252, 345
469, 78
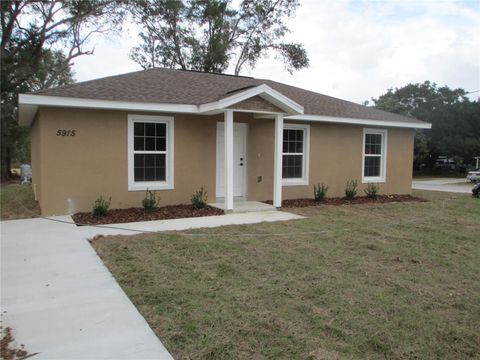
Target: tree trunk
5, 164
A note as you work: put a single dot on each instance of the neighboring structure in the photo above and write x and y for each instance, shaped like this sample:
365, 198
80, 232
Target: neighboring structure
175, 131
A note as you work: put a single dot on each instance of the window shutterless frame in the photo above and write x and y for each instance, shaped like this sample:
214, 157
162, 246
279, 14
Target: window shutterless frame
303, 180
167, 184
381, 178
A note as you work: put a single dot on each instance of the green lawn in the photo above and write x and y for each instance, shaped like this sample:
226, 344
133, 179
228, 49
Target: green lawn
396, 281
17, 202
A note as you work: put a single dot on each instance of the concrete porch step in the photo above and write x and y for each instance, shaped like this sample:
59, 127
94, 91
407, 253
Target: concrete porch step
242, 206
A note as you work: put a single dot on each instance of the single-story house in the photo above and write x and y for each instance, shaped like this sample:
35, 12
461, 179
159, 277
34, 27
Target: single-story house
176, 131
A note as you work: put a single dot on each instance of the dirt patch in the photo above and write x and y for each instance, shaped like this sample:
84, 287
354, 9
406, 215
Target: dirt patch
138, 214
344, 201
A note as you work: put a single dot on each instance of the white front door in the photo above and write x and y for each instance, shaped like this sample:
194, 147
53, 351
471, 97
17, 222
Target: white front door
239, 160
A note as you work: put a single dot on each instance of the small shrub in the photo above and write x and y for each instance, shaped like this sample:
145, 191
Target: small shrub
100, 206
150, 201
351, 189
320, 191
372, 191
199, 199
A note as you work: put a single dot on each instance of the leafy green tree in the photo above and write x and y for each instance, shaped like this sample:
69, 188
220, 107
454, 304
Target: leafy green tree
39, 40
212, 35
455, 120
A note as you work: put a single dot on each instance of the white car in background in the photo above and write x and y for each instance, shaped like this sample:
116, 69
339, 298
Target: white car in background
474, 175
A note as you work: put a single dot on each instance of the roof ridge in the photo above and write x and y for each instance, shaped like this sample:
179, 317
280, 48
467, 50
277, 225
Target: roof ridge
209, 72
67, 86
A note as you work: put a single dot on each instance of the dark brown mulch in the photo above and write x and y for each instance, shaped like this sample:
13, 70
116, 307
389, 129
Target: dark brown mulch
138, 214
343, 201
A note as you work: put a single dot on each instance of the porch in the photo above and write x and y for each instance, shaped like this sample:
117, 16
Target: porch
234, 173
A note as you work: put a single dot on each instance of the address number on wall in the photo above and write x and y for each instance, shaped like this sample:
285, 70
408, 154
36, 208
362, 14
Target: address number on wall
64, 132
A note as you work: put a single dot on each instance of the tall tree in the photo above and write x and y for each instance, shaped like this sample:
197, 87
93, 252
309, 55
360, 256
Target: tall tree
39, 40
455, 120
211, 35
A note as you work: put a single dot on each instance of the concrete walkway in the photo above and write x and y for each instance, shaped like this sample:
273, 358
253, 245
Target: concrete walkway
189, 223
443, 184
63, 303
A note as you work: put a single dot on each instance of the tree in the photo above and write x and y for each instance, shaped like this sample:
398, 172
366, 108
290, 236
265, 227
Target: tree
39, 40
212, 35
455, 120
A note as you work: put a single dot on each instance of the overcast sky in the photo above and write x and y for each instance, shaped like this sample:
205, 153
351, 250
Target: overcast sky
357, 49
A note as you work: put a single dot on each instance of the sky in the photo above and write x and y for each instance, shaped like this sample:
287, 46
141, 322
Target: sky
357, 49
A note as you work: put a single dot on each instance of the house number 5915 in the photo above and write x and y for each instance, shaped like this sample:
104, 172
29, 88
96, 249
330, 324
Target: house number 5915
63, 132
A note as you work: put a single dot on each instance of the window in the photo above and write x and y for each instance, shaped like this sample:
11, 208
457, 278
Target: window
295, 154
374, 155
150, 152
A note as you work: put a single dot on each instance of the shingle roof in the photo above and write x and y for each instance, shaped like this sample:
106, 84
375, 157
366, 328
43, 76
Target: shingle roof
168, 86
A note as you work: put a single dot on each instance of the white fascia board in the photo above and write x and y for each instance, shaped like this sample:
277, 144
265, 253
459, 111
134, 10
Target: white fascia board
59, 101
32, 102
341, 120
264, 91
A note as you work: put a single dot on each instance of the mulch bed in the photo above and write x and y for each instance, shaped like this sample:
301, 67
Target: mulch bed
343, 201
138, 214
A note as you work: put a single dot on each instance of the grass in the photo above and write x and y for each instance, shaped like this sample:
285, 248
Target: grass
17, 202
396, 281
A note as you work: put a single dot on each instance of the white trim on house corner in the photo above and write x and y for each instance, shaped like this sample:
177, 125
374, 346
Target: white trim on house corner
303, 181
168, 184
277, 161
342, 120
264, 91
383, 158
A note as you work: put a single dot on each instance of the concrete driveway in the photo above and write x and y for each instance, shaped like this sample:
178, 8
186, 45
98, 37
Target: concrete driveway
62, 302
443, 184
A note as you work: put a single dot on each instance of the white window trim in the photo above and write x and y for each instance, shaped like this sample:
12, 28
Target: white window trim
169, 165
383, 157
303, 181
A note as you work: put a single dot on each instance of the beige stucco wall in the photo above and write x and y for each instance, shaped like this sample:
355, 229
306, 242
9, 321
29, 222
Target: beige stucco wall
335, 157
71, 172
76, 170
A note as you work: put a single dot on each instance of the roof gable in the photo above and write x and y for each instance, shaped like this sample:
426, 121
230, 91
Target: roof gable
256, 103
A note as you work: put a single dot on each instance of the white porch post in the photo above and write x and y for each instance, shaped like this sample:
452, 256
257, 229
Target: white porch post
228, 164
277, 166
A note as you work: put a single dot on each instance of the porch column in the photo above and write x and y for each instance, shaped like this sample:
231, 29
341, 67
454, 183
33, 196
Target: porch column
277, 165
228, 163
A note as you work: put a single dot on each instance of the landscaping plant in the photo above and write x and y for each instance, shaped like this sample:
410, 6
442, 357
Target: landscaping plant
319, 192
351, 189
199, 199
100, 206
372, 191
150, 201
